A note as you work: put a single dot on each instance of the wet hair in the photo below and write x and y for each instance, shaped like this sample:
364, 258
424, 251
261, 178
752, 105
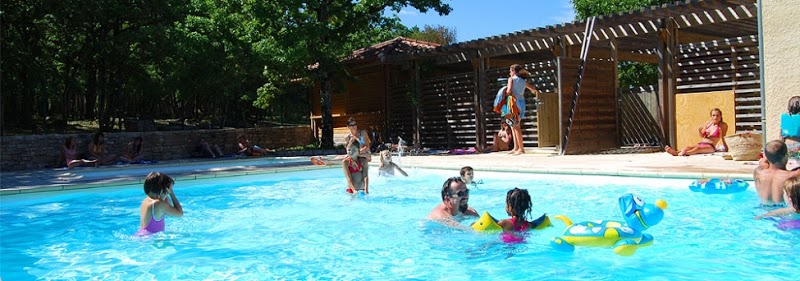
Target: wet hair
466, 169
776, 152
519, 201
792, 188
96, 139
794, 105
157, 183
717, 110
521, 71
446, 186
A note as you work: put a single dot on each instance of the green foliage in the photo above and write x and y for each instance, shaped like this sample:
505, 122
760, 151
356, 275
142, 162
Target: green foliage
630, 73
588, 8
437, 34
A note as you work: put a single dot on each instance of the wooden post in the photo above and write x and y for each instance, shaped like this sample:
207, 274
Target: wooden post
666, 79
479, 81
387, 92
416, 113
615, 60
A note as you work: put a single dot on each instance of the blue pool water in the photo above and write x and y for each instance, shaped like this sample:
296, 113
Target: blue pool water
301, 225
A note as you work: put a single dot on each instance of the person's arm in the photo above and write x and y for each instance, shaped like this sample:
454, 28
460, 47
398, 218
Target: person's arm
533, 89
723, 131
367, 143
399, 169
506, 224
509, 86
471, 212
777, 212
242, 147
175, 209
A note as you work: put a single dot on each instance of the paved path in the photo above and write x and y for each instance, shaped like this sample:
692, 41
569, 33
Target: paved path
646, 164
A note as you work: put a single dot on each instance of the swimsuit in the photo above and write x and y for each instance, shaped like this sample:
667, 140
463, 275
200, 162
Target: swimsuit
714, 134
515, 236
353, 170
154, 225
70, 155
518, 89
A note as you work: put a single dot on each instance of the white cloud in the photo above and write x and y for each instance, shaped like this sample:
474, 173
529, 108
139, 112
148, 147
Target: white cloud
567, 14
408, 12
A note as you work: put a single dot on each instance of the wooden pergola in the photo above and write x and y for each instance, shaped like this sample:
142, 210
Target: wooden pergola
699, 45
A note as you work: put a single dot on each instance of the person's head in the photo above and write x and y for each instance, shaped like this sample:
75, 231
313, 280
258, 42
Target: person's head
794, 105
351, 124
69, 142
156, 185
776, 153
241, 138
716, 115
791, 188
99, 138
353, 147
455, 194
503, 126
518, 203
519, 70
467, 174
386, 157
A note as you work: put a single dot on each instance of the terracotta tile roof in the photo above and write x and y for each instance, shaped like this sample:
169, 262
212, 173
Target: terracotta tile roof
396, 46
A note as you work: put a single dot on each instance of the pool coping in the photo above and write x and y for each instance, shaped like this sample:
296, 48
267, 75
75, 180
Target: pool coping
296, 167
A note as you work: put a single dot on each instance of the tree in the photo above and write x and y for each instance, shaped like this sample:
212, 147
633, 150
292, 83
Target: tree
437, 34
307, 40
630, 73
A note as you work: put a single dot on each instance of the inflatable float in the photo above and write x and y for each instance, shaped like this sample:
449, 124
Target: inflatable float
488, 224
718, 186
624, 237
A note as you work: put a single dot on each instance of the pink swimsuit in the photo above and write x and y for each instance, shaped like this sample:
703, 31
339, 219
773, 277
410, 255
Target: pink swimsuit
515, 236
153, 226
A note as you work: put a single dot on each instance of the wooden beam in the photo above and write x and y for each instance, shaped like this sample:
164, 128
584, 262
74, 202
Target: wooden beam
637, 57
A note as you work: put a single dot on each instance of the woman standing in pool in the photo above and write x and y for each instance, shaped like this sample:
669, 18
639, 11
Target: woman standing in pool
517, 84
157, 204
712, 132
355, 169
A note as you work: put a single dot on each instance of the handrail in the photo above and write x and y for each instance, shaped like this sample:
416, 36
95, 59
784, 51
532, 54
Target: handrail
587, 40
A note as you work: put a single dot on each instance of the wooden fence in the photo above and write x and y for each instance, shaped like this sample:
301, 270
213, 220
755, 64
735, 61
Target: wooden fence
639, 117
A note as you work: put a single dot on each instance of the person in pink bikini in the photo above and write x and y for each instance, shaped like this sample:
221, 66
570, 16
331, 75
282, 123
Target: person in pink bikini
714, 131
356, 169
518, 206
160, 201
71, 154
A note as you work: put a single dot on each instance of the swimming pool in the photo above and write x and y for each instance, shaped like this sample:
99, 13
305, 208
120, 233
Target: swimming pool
301, 225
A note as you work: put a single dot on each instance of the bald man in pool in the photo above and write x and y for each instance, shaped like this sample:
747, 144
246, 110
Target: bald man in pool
455, 196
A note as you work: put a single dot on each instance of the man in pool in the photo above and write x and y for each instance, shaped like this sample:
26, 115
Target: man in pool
771, 173
455, 196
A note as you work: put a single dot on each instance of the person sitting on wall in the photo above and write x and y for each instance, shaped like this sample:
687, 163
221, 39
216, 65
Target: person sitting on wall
248, 149
713, 131
501, 140
97, 150
208, 150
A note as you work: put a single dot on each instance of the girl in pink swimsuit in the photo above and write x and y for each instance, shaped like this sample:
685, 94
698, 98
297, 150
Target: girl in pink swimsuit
157, 204
71, 154
518, 206
356, 169
711, 133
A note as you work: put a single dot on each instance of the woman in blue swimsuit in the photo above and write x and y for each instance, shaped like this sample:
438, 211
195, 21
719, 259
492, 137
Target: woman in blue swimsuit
517, 84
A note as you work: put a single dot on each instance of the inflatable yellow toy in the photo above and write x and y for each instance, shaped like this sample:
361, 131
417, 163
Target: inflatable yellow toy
487, 223
625, 238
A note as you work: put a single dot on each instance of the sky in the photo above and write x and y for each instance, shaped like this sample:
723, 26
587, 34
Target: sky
475, 19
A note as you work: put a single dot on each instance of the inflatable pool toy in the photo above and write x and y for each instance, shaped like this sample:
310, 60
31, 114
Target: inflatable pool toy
625, 238
487, 223
788, 225
790, 125
718, 186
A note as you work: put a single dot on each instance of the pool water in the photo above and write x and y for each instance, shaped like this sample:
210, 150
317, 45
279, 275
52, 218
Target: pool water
301, 225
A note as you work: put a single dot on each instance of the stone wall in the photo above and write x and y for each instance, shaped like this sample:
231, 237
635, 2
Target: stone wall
45, 151
781, 63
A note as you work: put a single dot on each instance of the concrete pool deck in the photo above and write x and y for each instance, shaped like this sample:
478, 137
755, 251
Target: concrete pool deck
643, 164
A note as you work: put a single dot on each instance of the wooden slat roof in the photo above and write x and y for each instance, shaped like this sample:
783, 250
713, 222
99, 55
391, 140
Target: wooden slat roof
696, 20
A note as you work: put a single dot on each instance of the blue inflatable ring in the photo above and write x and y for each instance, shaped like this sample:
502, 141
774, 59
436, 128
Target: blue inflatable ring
718, 186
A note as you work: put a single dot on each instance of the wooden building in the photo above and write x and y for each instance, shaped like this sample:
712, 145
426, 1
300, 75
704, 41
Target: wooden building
706, 52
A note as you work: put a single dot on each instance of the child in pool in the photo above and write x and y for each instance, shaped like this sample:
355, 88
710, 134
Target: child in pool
791, 195
387, 167
518, 206
468, 176
355, 169
158, 188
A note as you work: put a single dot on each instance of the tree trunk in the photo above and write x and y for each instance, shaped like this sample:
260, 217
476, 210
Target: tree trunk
327, 117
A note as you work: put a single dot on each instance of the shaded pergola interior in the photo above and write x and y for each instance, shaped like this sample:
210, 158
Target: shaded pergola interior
685, 31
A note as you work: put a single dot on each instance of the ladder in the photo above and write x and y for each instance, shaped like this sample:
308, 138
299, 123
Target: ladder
587, 39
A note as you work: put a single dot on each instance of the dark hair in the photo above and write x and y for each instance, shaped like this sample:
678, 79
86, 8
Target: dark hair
241, 136
776, 152
717, 110
137, 147
351, 120
520, 202
157, 183
96, 139
446, 186
792, 187
353, 141
466, 169
521, 71
68, 141
794, 105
